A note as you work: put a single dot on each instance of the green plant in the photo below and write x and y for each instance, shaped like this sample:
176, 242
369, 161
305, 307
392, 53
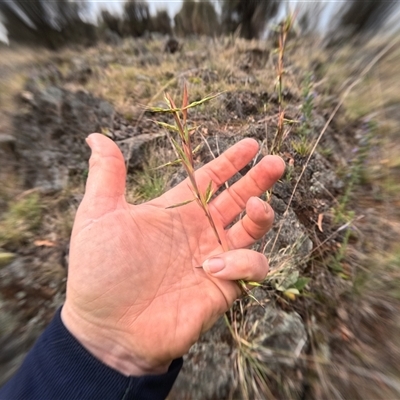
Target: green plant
150, 182
185, 152
335, 263
302, 146
285, 276
357, 167
307, 107
289, 173
284, 30
20, 221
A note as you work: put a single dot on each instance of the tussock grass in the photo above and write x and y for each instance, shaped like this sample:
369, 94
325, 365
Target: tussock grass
150, 181
20, 221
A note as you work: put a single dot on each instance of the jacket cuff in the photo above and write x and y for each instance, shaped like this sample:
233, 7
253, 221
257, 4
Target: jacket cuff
59, 367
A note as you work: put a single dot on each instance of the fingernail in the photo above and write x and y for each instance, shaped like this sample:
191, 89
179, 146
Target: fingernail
265, 205
89, 141
214, 265
92, 140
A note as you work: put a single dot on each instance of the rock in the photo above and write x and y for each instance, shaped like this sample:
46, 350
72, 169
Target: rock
132, 148
179, 176
242, 104
6, 139
7, 142
278, 341
209, 368
207, 371
292, 233
50, 136
27, 96
283, 334
324, 178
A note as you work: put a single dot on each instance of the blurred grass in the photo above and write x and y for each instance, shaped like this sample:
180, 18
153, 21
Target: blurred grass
20, 221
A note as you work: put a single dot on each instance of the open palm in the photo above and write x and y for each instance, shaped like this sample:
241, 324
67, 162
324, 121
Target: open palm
136, 297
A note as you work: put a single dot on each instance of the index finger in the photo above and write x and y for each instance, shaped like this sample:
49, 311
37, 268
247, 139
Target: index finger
232, 201
218, 171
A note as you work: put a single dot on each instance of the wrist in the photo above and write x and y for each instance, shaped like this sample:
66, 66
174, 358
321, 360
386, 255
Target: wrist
108, 347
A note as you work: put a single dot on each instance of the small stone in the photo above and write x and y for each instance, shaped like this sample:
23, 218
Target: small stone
20, 295
132, 148
6, 139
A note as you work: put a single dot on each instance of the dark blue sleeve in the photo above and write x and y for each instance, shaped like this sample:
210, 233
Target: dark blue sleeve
58, 367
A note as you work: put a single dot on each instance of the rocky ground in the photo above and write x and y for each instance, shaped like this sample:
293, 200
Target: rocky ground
330, 317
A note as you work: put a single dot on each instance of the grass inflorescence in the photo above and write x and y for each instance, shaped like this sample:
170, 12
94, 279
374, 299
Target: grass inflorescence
186, 152
283, 31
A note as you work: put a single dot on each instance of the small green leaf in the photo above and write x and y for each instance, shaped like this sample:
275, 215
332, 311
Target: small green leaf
197, 149
291, 279
168, 164
256, 284
209, 192
202, 101
167, 126
180, 204
180, 151
301, 283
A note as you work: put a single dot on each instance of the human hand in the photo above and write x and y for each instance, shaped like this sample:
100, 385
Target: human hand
136, 298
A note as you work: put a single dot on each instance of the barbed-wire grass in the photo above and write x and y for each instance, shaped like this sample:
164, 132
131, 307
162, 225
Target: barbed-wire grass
283, 33
183, 147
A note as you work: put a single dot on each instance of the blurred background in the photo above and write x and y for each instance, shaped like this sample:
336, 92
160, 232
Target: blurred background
316, 82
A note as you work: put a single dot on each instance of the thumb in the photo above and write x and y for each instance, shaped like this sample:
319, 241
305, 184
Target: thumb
237, 264
105, 185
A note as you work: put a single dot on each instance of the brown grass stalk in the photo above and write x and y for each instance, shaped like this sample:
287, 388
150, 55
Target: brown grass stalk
284, 30
185, 151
